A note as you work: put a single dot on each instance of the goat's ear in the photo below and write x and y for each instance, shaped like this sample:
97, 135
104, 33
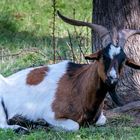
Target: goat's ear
94, 56
132, 64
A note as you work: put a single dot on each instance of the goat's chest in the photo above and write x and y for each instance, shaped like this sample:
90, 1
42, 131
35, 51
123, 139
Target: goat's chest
89, 115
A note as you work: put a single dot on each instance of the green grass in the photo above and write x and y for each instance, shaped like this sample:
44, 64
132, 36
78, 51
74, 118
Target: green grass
28, 24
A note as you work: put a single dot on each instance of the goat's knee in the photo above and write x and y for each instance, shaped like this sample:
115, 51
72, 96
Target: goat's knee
101, 120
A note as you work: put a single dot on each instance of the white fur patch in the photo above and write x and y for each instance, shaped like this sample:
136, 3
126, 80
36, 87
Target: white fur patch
113, 73
114, 51
102, 120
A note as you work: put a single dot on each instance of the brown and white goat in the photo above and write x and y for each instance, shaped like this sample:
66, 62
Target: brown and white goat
66, 94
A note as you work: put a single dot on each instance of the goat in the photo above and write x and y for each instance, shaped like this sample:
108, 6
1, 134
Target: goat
66, 95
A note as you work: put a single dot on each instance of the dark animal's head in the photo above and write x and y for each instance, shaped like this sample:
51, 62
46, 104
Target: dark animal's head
112, 57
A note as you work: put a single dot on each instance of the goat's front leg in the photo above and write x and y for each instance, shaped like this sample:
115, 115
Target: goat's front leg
57, 124
62, 124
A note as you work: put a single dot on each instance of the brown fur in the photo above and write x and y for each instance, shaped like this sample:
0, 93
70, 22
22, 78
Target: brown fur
36, 76
101, 70
76, 96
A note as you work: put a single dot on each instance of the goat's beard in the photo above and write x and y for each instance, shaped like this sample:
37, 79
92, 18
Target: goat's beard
110, 86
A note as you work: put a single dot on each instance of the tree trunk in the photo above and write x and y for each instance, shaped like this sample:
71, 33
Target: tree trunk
120, 14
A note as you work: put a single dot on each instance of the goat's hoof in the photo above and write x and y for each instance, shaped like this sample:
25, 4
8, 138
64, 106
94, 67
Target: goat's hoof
101, 121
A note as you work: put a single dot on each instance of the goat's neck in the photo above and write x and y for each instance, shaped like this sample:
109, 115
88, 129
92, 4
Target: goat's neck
92, 88
88, 78
82, 96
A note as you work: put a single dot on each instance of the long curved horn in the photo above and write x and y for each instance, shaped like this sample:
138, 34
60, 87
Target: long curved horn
101, 30
124, 34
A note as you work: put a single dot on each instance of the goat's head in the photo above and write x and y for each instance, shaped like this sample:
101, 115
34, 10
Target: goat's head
112, 57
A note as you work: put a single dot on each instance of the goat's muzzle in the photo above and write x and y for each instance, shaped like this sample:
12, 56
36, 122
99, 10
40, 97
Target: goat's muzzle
111, 82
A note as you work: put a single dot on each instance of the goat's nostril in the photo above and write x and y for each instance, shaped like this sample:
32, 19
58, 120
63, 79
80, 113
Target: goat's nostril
112, 80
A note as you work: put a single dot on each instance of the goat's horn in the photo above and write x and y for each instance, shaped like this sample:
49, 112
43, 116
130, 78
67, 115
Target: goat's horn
101, 30
124, 35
